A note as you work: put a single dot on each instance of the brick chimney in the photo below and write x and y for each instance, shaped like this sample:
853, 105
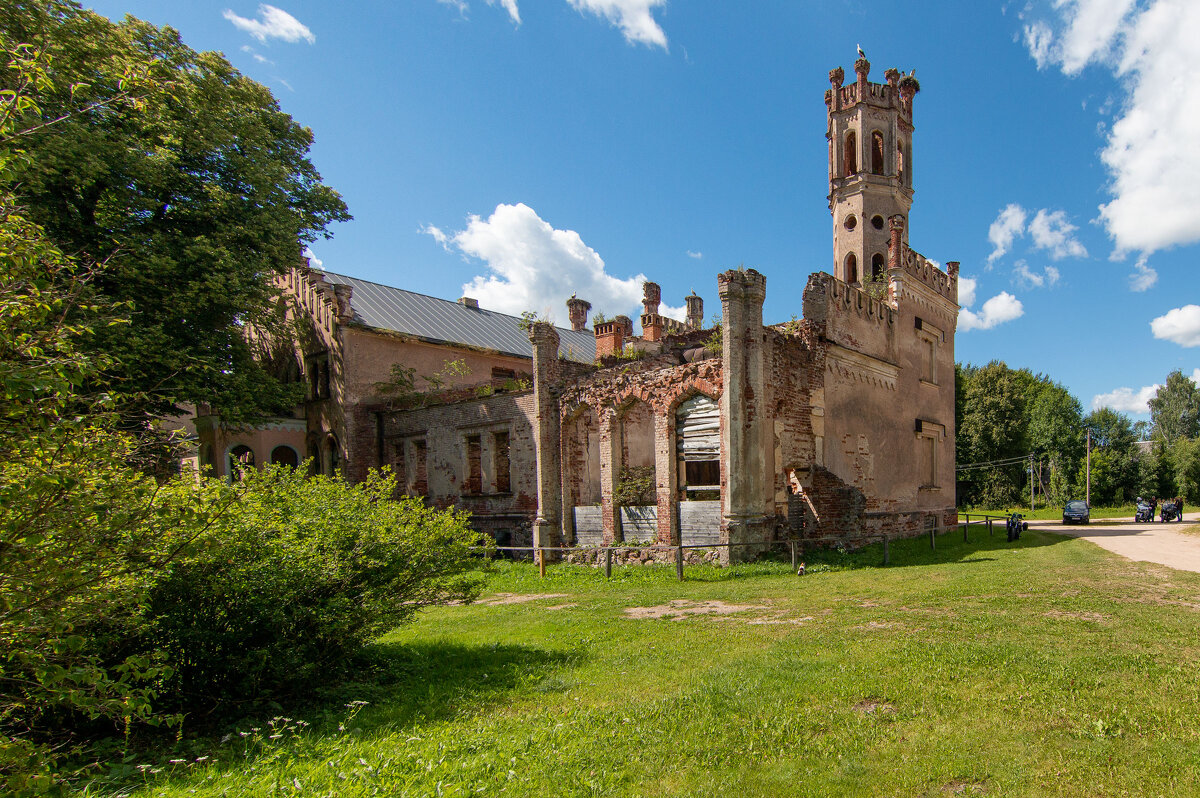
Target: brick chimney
610, 337
577, 310
695, 311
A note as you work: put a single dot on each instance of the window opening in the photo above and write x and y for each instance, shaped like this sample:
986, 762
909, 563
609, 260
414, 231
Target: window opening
877, 266
285, 455
877, 153
474, 464
850, 161
500, 462
240, 458
698, 448
851, 268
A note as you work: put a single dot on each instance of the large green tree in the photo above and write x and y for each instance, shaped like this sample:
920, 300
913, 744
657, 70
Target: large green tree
183, 182
1175, 409
1116, 460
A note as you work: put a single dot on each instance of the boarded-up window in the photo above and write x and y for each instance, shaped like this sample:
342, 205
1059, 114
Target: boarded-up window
500, 461
474, 464
698, 445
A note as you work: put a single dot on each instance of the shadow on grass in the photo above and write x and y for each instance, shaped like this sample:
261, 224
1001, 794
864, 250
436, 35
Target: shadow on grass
389, 687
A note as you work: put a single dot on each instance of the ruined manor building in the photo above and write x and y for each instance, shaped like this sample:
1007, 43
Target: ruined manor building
834, 427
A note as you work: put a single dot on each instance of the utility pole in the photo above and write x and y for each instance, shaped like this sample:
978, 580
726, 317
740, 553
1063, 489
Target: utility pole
1032, 507
1088, 481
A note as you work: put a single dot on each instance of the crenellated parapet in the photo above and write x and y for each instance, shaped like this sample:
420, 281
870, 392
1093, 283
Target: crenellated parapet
917, 265
826, 297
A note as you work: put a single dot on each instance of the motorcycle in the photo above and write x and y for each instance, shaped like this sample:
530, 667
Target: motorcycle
1015, 526
1170, 512
1145, 512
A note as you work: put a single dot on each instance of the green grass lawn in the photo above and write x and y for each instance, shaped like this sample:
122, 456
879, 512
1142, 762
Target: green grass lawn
1045, 667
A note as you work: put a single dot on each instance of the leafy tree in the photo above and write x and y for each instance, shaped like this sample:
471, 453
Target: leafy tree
184, 181
1056, 430
992, 428
1116, 460
1175, 409
1187, 469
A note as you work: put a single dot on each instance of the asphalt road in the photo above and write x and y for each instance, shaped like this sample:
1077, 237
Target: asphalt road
1149, 542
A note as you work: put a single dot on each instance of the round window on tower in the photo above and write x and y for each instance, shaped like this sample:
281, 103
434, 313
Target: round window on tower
877, 222
851, 222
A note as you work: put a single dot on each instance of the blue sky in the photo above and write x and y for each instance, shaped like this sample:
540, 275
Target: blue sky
519, 151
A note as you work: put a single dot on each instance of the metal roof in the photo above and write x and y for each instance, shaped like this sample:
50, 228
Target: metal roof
444, 321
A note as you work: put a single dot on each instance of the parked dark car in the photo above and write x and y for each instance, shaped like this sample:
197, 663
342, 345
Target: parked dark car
1076, 512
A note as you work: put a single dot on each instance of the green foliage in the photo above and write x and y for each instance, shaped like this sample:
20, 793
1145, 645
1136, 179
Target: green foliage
714, 344
635, 488
297, 578
180, 178
1175, 409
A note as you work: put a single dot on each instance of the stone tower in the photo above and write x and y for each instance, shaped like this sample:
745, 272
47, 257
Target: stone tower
870, 167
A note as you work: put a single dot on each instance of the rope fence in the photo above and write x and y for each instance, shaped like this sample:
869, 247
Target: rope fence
795, 547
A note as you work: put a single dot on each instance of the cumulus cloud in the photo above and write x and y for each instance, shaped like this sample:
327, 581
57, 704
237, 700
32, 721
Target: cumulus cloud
272, 23
534, 266
631, 16
1180, 326
1009, 224
997, 310
696, 255
1126, 400
1143, 277
1150, 154
1029, 278
1051, 231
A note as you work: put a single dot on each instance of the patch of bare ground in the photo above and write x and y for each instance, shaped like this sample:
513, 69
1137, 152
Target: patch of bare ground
872, 705
566, 606
960, 787
682, 608
518, 598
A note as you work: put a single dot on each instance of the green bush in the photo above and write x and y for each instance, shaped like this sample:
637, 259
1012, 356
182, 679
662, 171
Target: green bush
297, 578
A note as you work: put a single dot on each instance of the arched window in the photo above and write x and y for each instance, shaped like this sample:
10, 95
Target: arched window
876, 153
851, 268
850, 155
314, 458
877, 266
900, 164
240, 458
333, 456
285, 455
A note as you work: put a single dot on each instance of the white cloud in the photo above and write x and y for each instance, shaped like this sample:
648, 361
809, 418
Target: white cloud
966, 291
1052, 231
1126, 400
696, 255
1028, 278
1009, 224
1143, 277
438, 235
533, 266
272, 23
1150, 154
511, 7
461, 5
1181, 326
631, 16
997, 310
313, 260
1039, 39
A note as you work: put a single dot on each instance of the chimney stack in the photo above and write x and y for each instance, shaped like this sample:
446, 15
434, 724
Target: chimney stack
577, 310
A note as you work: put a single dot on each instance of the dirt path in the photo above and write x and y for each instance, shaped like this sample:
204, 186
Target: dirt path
1154, 542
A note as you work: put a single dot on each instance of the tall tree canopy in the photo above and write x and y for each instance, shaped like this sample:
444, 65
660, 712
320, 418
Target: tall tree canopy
183, 182
1175, 409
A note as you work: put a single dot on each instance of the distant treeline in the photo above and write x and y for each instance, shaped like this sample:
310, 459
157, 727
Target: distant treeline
1004, 415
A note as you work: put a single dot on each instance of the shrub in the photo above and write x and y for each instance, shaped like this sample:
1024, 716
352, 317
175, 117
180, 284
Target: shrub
297, 579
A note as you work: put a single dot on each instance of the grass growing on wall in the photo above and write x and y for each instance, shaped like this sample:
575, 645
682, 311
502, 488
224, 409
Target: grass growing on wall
1044, 667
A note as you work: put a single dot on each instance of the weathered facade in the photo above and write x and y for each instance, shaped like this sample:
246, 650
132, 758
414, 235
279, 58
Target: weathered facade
833, 428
